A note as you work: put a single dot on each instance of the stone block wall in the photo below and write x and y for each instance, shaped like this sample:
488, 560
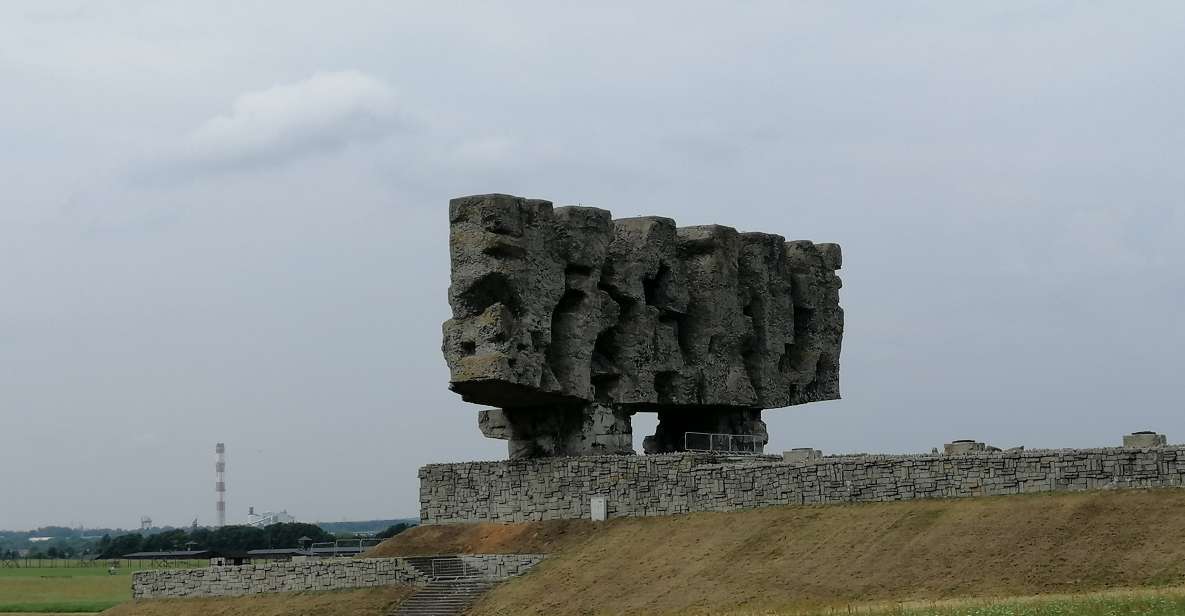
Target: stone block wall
501, 566
230, 581
313, 575
561, 488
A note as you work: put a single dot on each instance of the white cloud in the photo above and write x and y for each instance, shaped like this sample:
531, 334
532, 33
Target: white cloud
322, 113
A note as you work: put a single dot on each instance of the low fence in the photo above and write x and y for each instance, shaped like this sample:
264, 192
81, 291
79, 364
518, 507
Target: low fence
318, 575
51, 563
725, 444
562, 488
114, 564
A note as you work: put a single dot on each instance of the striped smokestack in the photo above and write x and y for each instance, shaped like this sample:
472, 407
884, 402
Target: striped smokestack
220, 482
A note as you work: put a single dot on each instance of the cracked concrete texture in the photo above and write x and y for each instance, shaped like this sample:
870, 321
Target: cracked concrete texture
564, 310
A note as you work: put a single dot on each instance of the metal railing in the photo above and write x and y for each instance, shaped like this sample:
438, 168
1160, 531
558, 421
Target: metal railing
738, 444
342, 547
453, 569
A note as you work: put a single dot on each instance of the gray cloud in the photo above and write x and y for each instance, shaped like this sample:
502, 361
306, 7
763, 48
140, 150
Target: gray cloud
276, 125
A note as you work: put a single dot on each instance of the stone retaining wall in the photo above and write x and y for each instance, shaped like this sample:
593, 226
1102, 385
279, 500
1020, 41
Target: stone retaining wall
313, 575
560, 488
501, 566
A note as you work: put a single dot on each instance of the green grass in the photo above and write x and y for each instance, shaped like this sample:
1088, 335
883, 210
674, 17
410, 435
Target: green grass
72, 572
1139, 602
64, 589
66, 607
1146, 606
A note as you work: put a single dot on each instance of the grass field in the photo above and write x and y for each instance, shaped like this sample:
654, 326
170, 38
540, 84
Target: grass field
63, 589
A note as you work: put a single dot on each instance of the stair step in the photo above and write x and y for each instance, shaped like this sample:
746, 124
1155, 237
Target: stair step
443, 598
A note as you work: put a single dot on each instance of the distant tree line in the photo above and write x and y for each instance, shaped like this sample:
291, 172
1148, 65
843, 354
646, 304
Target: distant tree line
68, 543
55, 548
227, 538
53, 542
393, 530
365, 526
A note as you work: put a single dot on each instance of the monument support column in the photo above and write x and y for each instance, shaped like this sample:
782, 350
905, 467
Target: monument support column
578, 430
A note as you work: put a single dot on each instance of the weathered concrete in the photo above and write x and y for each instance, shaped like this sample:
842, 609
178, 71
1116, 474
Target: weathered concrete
314, 575
799, 455
964, 446
560, 488
570, 322
544, 431
1144, 439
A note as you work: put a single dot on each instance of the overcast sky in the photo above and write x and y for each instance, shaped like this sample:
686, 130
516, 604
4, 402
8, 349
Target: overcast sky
226, 221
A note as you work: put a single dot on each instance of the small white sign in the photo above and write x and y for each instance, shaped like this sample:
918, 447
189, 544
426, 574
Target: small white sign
599, 510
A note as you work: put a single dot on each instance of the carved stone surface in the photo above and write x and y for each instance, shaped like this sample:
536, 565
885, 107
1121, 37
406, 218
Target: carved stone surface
570, 322
543, 431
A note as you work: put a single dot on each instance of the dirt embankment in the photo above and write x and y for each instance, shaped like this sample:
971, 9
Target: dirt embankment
525, 538
791, 557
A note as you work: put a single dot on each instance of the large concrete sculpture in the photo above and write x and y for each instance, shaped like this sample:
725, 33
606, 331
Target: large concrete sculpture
570, 322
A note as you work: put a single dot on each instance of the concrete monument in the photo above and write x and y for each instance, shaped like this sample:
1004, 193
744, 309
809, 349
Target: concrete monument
569, 322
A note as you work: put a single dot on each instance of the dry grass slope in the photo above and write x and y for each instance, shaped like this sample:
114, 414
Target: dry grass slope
532, 538
365, 602
803, 557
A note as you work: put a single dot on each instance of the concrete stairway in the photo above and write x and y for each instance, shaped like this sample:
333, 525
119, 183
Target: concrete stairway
444, 598
453, 587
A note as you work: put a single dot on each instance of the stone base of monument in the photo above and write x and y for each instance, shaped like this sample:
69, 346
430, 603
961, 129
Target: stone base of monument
584, 430
598, 429
670, 484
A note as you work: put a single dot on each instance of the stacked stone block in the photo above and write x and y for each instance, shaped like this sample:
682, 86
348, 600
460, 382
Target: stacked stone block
501, 566
561, 488
312, 575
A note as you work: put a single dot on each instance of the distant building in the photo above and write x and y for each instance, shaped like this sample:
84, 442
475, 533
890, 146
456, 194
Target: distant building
216, 558
267, 518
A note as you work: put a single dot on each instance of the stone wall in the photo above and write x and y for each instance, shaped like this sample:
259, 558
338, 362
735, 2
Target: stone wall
560, 488
313, 575
501, 566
